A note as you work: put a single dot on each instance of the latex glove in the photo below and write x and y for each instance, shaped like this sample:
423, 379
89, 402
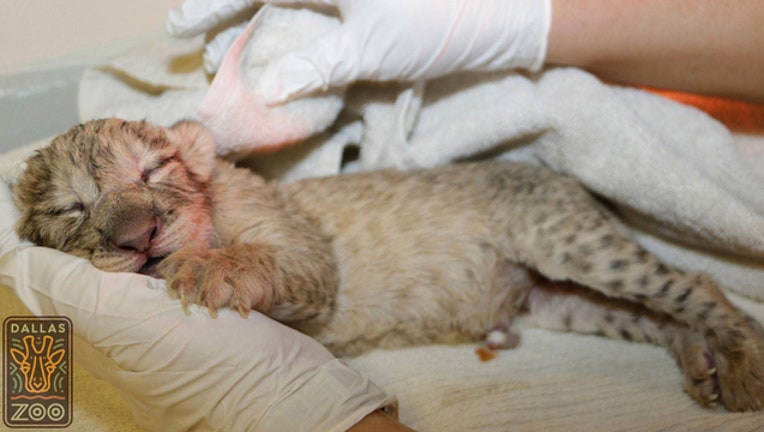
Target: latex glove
397, 40
408, 40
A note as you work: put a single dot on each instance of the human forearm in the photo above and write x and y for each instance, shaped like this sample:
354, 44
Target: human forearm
704, 46
379, 422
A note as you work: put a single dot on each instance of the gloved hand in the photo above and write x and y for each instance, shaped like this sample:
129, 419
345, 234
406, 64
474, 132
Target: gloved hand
395, 40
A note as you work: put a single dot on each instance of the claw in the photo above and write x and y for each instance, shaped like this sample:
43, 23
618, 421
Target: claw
184, 303
213, 311
243, 311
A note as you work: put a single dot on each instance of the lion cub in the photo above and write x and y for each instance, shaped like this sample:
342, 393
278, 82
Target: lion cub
379, 259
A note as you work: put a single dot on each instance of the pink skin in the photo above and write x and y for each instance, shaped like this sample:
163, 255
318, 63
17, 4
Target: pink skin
237, 115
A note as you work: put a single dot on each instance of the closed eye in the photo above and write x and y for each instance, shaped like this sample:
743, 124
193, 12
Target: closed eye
147, 173
73, 210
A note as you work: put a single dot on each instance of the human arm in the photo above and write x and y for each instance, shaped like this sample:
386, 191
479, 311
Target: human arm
699, 46
387, 40
379, 421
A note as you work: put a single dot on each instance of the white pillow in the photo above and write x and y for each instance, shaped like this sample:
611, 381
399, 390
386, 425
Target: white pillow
179, 372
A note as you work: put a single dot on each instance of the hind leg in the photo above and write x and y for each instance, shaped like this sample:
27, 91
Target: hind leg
569, 307
578, 243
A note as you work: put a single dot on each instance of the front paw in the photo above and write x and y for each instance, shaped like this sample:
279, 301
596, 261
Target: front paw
739, 358
234, 277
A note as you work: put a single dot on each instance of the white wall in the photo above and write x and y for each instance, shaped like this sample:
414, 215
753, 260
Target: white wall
43, 33
45, 45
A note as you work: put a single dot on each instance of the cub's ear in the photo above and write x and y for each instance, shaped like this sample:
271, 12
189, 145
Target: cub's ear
196, 145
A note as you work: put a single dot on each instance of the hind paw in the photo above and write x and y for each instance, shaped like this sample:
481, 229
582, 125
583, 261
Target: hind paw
739, 358
697, 362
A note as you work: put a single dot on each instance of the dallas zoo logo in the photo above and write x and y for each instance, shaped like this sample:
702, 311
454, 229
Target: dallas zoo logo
37, 375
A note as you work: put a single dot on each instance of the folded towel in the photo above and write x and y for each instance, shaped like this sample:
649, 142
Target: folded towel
678, 179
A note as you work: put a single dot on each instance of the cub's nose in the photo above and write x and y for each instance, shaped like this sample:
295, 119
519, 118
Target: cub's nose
137, 236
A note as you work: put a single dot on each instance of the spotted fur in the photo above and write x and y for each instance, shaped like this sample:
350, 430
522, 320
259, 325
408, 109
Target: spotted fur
380, 259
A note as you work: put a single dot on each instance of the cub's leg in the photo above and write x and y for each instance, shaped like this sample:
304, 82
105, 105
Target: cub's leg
568, 237
295, 286
569, 307
272, 258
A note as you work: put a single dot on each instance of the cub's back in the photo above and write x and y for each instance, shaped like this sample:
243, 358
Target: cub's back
427, 230
426, 246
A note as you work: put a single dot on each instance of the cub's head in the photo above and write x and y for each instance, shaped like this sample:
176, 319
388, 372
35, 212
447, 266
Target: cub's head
122, 194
